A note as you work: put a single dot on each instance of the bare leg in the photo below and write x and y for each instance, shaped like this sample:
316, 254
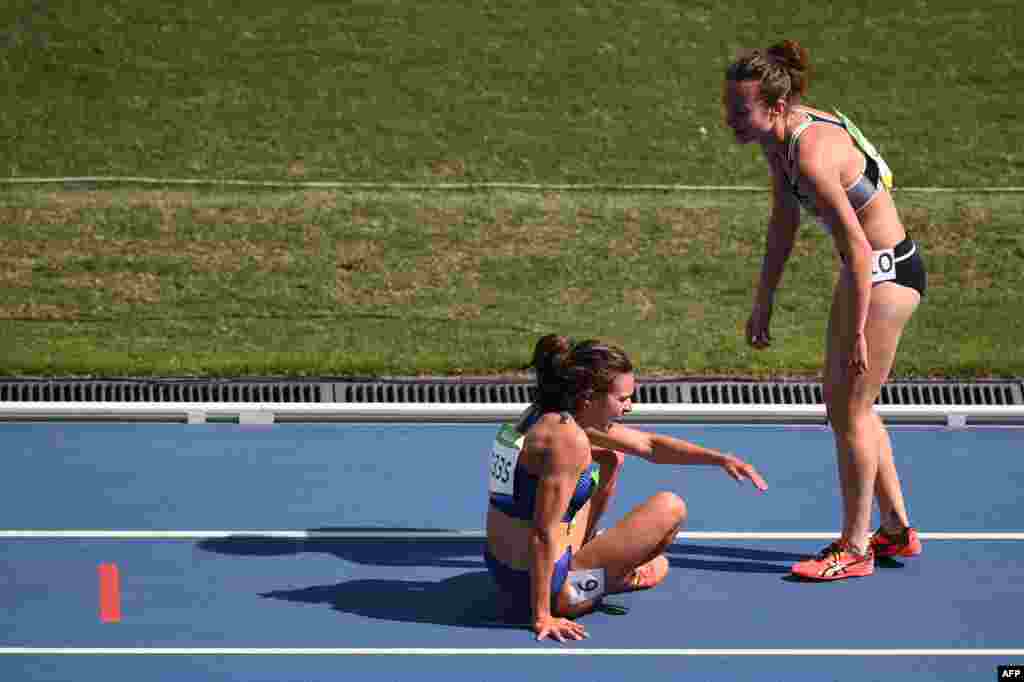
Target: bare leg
863, 450
892, 509
631, 550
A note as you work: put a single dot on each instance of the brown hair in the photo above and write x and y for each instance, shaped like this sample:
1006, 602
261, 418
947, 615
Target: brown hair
783, 70
569, 372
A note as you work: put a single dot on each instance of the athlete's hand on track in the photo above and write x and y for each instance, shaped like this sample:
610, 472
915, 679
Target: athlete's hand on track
558, 628
740, 470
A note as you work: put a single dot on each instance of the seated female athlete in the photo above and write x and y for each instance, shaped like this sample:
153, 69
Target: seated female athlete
552, 476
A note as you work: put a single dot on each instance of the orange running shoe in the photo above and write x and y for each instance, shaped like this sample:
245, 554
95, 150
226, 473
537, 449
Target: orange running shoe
886, 545
836, 562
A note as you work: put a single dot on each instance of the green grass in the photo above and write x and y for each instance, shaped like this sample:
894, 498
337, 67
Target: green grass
137, 281
613, 92
405, 283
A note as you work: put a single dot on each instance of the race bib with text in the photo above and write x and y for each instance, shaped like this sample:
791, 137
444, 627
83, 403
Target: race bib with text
883, 266
504, 456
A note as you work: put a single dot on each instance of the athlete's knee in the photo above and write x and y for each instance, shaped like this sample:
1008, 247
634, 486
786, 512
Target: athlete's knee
858, 428
671, 506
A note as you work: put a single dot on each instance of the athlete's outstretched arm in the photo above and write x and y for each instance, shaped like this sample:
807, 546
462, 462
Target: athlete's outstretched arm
661, 449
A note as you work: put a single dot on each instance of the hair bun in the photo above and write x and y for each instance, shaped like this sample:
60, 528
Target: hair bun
790, 54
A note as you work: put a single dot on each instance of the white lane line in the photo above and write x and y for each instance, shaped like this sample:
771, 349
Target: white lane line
538, 651
429, 535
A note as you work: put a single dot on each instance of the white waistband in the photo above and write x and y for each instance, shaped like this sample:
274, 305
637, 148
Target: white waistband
908, 254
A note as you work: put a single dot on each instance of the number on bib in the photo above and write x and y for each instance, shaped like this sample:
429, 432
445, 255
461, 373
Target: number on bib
586, 584
883, 266
504, 457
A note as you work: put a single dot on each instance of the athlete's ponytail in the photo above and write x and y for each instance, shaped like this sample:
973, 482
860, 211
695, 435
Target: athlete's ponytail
569, 372
553, 390
783, 70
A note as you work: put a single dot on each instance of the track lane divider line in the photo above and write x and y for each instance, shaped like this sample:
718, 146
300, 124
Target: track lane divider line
385, 534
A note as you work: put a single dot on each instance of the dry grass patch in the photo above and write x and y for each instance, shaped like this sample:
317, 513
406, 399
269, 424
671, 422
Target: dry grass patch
695, 313
124, 287
78, 200
57, 251
628, 243
167, 204
361, 255
320, 199
973, 278
440, 220
268, 256
943, 238
504, 238
312, 239
448, 168
696, 229
487, 297
575, 296
352, 258
38, 311
15, 271
249, 215
205, 255
464, 311
584, 217
360, 215
159, 199
642, 300
39, 216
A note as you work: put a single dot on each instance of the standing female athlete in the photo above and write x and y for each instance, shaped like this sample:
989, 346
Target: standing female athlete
823, 162
549, 487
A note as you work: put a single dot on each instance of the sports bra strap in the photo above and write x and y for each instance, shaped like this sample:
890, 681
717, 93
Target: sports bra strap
791, 152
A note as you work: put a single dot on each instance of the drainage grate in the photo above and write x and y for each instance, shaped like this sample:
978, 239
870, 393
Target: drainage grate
163, 391
751, 393
432, 391
921, 393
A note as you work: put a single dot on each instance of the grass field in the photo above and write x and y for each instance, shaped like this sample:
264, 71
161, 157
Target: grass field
321, 283
135, 280
385, 90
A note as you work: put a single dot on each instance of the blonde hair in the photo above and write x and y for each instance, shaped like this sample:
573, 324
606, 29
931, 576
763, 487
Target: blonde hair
782, 69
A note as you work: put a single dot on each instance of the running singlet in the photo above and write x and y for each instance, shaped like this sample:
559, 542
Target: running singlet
875, 177
513, 489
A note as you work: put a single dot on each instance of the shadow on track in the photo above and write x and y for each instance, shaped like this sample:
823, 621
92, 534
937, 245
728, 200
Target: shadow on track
753, 560
466, 600
469, 599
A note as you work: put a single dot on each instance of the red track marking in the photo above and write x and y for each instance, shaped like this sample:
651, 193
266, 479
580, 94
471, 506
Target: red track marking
110, 594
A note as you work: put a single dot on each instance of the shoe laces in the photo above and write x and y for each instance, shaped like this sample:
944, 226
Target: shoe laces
835, 551
832, 552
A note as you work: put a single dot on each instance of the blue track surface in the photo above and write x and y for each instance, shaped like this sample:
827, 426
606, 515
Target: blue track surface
251, 591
